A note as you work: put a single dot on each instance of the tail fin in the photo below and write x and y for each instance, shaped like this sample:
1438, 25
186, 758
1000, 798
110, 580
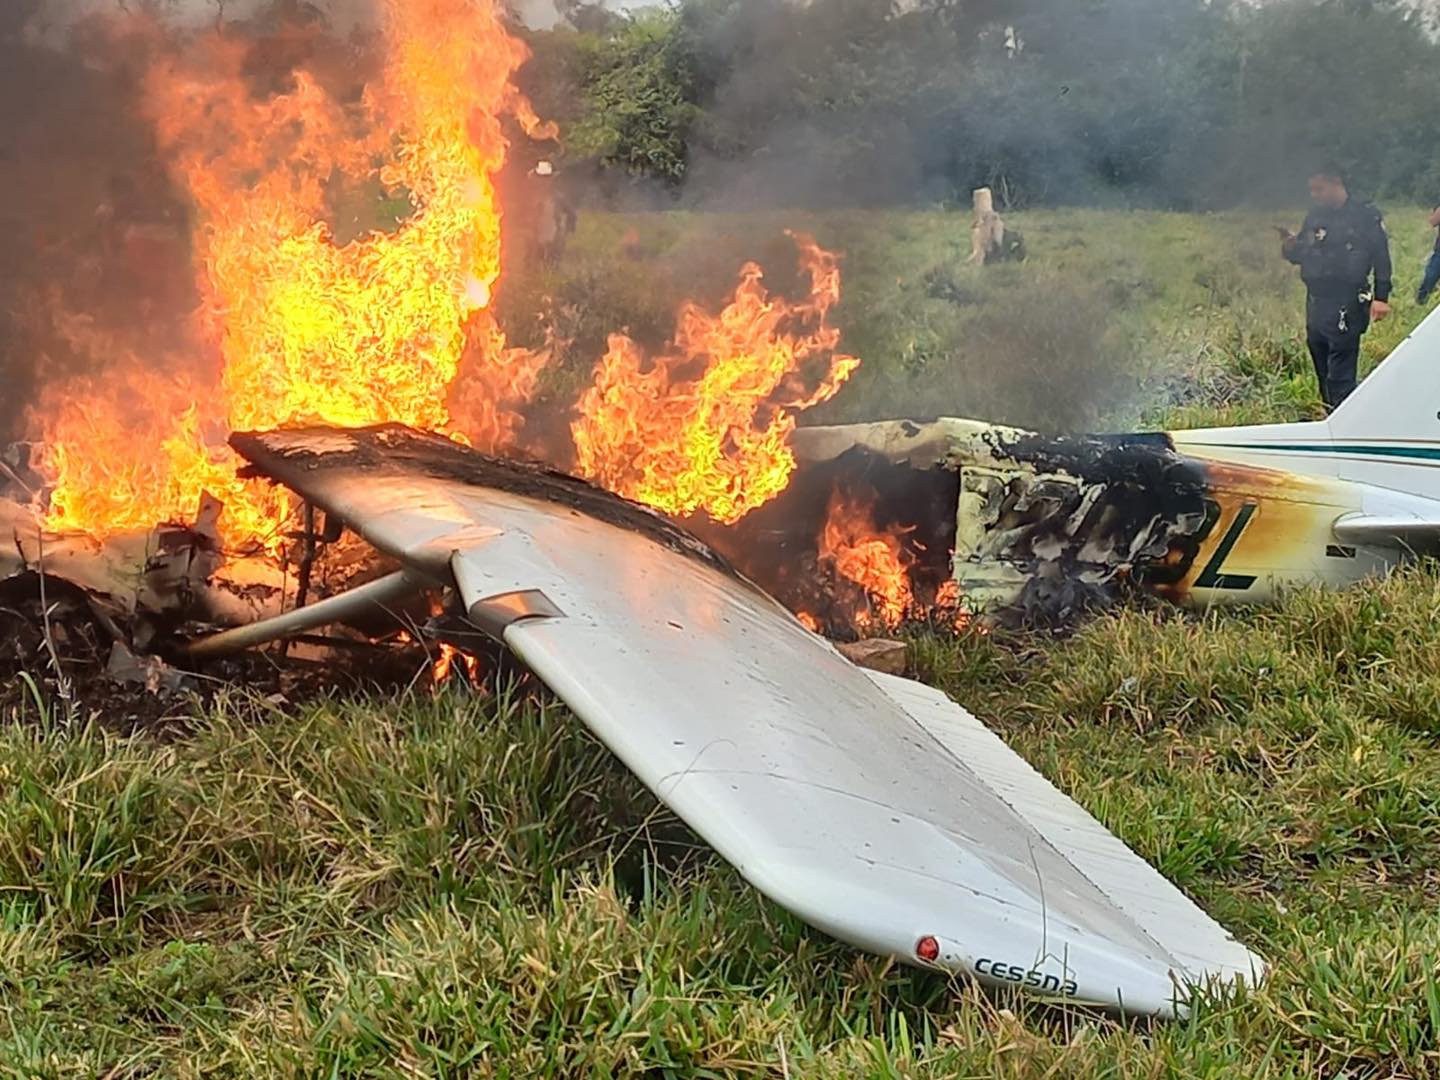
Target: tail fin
1400, 400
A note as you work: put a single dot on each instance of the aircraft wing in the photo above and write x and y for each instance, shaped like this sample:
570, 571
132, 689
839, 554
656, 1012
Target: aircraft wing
871, 807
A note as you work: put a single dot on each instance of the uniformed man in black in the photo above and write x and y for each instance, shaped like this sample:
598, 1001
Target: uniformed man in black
1338, 248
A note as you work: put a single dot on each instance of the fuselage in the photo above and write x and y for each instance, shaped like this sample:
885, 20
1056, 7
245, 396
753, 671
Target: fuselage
1214, 516
1352, 495
1300, 506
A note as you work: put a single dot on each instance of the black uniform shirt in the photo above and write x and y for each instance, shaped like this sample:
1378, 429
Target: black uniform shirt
1337, 249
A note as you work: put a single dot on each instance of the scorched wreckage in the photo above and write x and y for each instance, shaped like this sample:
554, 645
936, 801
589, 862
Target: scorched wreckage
1042, 526
335, 437
872, 807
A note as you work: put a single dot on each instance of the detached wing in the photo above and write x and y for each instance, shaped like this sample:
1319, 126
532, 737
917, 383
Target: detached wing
871, 807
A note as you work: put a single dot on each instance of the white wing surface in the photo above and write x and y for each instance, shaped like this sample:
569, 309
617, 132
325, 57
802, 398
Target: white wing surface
871, 807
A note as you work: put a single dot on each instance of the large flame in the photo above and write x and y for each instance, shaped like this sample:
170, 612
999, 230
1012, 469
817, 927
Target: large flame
302, 321
308, 327
705, 426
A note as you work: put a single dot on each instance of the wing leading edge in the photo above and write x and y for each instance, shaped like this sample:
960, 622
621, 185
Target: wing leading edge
871, 807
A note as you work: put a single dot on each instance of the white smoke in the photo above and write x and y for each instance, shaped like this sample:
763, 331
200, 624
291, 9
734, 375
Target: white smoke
50, 24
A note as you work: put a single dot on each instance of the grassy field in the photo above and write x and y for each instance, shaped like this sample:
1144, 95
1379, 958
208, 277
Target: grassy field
1116, 320
451, 885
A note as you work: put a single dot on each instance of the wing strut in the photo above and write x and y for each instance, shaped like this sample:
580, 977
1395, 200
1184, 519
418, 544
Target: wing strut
380, 593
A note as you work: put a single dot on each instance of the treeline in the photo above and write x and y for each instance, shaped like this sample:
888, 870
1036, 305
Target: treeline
1175, 103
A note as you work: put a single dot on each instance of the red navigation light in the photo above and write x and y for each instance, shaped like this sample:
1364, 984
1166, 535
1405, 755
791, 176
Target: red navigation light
927, 949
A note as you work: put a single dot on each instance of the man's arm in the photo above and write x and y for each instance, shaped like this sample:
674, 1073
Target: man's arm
1291, 245
1434, 218
1380, 307
1381, 250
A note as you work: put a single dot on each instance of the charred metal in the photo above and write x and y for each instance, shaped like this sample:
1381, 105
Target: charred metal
1035, 529
396, 447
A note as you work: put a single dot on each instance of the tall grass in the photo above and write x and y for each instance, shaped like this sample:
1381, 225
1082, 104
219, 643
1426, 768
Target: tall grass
1116, 319
461, 885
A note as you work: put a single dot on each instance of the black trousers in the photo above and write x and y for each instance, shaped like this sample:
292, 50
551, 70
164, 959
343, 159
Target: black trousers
1334, 326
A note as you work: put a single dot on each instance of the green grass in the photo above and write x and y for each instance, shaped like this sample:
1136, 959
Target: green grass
456, 885
431, 886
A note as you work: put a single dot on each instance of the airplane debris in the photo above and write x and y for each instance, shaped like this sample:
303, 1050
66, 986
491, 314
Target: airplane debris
1046, 527
169, 572
382, 593
877, 654
104, 622
874, 808
151, 672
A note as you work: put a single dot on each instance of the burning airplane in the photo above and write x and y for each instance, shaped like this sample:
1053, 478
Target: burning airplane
334, 437
873, 807
1032, 529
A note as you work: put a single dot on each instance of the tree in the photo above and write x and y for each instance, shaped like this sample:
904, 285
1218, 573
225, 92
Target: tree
637, 86
1158, 102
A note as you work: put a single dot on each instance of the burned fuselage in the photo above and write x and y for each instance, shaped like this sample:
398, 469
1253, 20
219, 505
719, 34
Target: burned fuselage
1038, 527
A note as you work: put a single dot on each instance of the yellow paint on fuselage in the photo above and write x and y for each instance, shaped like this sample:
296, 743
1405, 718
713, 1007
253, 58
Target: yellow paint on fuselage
1285, 539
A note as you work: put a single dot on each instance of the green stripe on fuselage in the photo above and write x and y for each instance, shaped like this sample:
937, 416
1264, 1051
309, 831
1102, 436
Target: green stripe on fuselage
1418, 453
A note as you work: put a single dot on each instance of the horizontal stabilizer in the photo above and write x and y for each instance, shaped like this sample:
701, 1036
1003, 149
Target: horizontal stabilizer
1403, 530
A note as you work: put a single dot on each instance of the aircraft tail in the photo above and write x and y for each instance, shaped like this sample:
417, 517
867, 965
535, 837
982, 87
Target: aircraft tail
1399, 402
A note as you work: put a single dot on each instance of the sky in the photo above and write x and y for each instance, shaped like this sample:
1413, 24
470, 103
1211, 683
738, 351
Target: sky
539, 14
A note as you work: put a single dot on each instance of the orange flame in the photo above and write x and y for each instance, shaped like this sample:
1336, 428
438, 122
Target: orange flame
716, 442
307, 327
873, 559
950, 608
444, 665
300, 324
883, 563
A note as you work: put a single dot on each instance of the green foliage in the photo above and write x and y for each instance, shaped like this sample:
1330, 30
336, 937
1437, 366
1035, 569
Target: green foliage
1116, 319
1365, 63
637, 88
